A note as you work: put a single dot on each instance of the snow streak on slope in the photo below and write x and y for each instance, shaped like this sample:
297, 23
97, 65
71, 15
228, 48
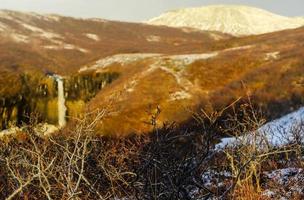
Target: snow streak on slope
278, 133
125, 59
235, 20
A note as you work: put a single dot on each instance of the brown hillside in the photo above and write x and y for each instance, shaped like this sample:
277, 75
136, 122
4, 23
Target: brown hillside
174, 71
269, 67
63, 44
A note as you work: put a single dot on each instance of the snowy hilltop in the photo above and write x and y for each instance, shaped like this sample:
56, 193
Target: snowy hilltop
235, 20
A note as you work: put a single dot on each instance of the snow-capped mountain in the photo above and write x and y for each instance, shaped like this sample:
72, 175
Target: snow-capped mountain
235, 20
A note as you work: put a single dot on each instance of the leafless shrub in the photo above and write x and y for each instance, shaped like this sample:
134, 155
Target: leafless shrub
252, 152
71, 166
170, 163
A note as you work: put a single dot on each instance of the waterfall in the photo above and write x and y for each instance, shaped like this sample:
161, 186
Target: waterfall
61, 102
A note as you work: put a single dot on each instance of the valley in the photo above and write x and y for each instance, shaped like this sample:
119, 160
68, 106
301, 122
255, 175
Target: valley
197, 103
190, 64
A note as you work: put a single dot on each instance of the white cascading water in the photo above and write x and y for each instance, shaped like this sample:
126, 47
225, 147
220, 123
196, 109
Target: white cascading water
61, 102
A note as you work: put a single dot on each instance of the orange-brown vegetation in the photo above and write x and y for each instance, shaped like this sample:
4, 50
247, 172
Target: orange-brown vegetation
268, 67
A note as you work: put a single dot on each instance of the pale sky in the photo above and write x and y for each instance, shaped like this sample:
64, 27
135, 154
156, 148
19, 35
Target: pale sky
140, 10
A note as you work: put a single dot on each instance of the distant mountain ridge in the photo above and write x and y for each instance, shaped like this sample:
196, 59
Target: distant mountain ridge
63, 44
235, 20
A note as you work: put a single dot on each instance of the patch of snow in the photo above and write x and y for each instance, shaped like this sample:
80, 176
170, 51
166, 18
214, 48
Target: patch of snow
73, 47
3, 27
40, 130
153, 38
19, 38
284, 183
13, 15
277, 133
42, 33
50, 35
212, 178
176, 64
175, 69
92, 36
98, 20
281, 176
159, 59
272, 55
269, 193
189, 30
53, 47
238, 48
235, 20
43, 17
119, 58
216, 36
130, 86
10, 132
5, 15
188, 59
32, 28
45, 129
180, 95
49, 17
61, 45
52, 17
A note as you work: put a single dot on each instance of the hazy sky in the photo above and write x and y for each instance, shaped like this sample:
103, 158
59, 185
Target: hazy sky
140, 10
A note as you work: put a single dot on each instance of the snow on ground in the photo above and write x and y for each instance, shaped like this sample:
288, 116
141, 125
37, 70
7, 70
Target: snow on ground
92, 36
187, 59
50, 35
45, 17
62, 45
3, 27
9, 132
213, 178
180, 95
97, 20
119, 58
67, 47
124, 59
178, 60
42, 33
153, 38
52, 17
216, 36
272, 55
73, 47
40, 129
19, 38
32, 28
23, 20
12, 15
45, 129
284, 183
277, 133
129, 87
238, 48
5, 15
232, 19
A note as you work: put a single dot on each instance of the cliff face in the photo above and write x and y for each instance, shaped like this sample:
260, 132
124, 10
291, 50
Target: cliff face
39, 96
